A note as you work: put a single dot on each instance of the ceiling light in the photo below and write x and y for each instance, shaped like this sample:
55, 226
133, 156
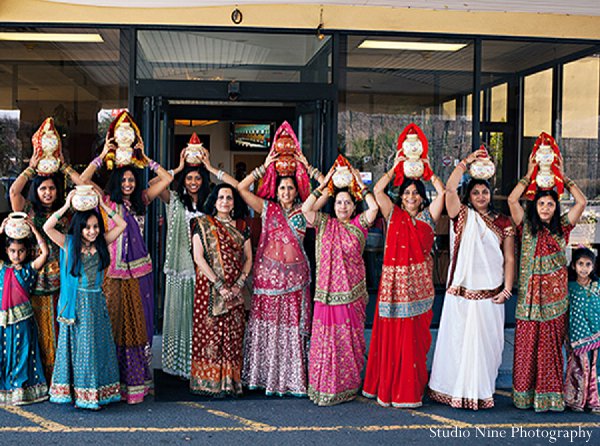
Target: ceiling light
410, 46
51, 37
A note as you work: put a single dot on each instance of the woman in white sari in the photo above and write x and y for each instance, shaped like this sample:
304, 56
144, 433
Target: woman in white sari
468, 352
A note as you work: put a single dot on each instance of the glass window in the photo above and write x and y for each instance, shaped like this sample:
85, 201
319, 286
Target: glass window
388, 87
499, 103
537, 109
259, 57
68, 80
580, 145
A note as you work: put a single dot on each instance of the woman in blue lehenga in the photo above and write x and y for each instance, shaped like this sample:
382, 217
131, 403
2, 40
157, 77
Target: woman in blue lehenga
21, 371
86, 368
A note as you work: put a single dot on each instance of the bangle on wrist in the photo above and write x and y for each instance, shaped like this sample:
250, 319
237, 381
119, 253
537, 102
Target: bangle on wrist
317, 193
220, 174
29, 172
462, 165
569, 183
111, 214
171, 172
153, 165
97, 162
218, 283
525, 181
57, 216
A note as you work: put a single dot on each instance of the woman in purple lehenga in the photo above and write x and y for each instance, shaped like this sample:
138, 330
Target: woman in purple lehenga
128, 283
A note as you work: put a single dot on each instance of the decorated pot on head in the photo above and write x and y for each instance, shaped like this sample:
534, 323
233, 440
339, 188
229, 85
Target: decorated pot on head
482, 168
343, 178
47, 146
16, 227
85, 198
287, 148
195, 151
412, 144
546, 173
413, 149
285, 164
544, 157
125, 143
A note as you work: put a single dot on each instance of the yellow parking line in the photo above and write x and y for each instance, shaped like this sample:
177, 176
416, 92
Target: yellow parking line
444, 420
246, 422
372, 428
41, 421
419, 412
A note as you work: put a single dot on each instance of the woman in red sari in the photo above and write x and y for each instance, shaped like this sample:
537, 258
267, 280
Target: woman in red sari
223, 256
543, 294
396, 368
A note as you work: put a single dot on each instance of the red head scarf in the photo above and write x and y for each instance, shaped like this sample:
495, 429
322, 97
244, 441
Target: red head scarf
399, 171
559, 182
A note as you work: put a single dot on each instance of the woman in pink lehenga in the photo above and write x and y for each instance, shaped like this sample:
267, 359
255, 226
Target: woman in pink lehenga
275, 347
337, 346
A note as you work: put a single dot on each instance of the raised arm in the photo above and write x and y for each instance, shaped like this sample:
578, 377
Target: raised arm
88, 173
516, 210
165, 195
17, 200
254, 201
580, 200
383, 200
39, 261
220, 174
312, 202
164, 179
313, 172
452, 197
372, 209
67, 170
120, 224
50, 225
437, 205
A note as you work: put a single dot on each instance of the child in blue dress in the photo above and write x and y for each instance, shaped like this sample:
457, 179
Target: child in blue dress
21, 371
86, 370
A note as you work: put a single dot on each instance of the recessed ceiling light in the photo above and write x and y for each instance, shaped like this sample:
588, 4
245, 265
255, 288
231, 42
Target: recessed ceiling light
51, 37
410, 46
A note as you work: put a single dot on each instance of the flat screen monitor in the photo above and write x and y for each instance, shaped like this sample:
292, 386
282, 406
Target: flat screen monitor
251, 136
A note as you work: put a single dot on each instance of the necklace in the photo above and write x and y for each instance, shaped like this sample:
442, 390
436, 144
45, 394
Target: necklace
87, 249
226, 220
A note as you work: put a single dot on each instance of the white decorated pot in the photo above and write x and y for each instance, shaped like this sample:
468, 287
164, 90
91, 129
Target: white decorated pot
16, 227
48, 165
123, 156
194, 154
85, 198
545, 157
342, 177
413, 169
482, 169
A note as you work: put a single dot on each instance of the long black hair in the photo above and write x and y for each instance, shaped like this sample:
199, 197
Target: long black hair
202, 192
26, 242
420, 190
582, 253
470, 186
534, 219
113, 188
78, 223
240, 209
34, 198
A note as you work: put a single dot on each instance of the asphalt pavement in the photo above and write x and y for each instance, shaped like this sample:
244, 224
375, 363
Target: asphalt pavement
175, 417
